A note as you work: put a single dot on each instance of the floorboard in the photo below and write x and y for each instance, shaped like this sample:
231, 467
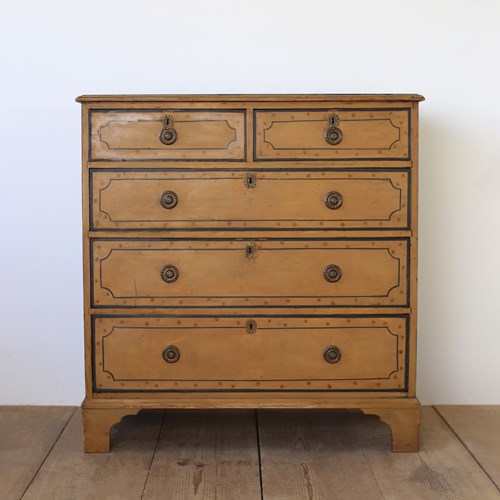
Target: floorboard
27, 434
206, 455
478, 427
70, 474
249, 455
443, 469
313, 455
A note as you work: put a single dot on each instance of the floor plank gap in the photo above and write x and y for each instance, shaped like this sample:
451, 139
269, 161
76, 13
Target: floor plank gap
154, 452
466, 447
259, 454
360, 446
48, 453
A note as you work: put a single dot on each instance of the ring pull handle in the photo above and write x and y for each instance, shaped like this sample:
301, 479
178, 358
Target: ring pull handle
168, 134
169, 273
332, 354
334, 200
171, 354
168, 200
332, 273
333, 134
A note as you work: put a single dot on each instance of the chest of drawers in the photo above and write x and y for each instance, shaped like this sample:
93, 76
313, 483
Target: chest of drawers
250, 251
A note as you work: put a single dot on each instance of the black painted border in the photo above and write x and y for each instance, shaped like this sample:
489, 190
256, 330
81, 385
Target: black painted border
406, 171
152, 110
404, 389
256, 159
114, 306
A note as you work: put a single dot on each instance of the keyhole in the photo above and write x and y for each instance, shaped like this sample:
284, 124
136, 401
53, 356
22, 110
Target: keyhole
250, 251
251, 326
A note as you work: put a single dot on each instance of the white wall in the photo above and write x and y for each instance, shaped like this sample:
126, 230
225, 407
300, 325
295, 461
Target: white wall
52, 51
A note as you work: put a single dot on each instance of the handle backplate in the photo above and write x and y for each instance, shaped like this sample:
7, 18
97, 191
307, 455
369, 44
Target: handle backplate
171, 354
332, 273
334, 200
168, 200
168, 134
169, 273
333, 134
332, 354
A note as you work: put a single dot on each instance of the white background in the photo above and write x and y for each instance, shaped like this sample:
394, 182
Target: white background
52, 51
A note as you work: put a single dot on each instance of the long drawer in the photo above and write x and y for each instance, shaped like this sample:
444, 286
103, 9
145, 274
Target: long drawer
221, 354
218, 273
167, 134
272, 200
332, 134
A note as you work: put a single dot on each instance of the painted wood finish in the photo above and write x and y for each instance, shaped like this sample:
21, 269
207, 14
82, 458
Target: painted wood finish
277, 354
127, 273
132, 200
300, 134
250, 229
134, 135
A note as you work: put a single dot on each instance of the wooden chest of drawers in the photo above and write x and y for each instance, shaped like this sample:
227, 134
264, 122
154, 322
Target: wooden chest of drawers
250, 251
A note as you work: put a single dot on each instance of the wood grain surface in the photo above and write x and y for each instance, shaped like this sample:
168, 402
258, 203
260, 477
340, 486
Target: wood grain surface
27, 435
478, 428
248, 455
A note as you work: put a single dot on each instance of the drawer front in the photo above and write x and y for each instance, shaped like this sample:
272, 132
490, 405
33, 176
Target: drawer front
167, 135
156, 273
271, 200
224, 354
354, 134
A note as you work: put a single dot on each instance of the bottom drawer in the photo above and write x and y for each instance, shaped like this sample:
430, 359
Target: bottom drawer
232, 354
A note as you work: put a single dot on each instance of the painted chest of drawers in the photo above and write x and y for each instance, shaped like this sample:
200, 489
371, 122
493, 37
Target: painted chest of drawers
250, 251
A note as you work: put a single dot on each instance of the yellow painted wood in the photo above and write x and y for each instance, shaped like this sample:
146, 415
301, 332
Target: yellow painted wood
277, 354
250, 98
128, 239
300, 134
221, 273
134, 135
131, 200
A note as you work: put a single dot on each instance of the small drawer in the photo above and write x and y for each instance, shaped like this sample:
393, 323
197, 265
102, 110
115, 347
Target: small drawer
158, 273
231, 354
167, 134
231, 200
332, 134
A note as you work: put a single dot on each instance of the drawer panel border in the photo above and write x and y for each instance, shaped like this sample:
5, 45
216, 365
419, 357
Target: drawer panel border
149, 110
357, 160
408, 172
116, 306
406, 318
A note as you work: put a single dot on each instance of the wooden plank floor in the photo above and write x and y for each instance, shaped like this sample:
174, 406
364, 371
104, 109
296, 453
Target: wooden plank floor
254, 455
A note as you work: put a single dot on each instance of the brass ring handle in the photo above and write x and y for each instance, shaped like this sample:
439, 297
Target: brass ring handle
334, 200
168, 199
169, 273
332, 354
332, 273
171, 354
333, 134
168, 134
